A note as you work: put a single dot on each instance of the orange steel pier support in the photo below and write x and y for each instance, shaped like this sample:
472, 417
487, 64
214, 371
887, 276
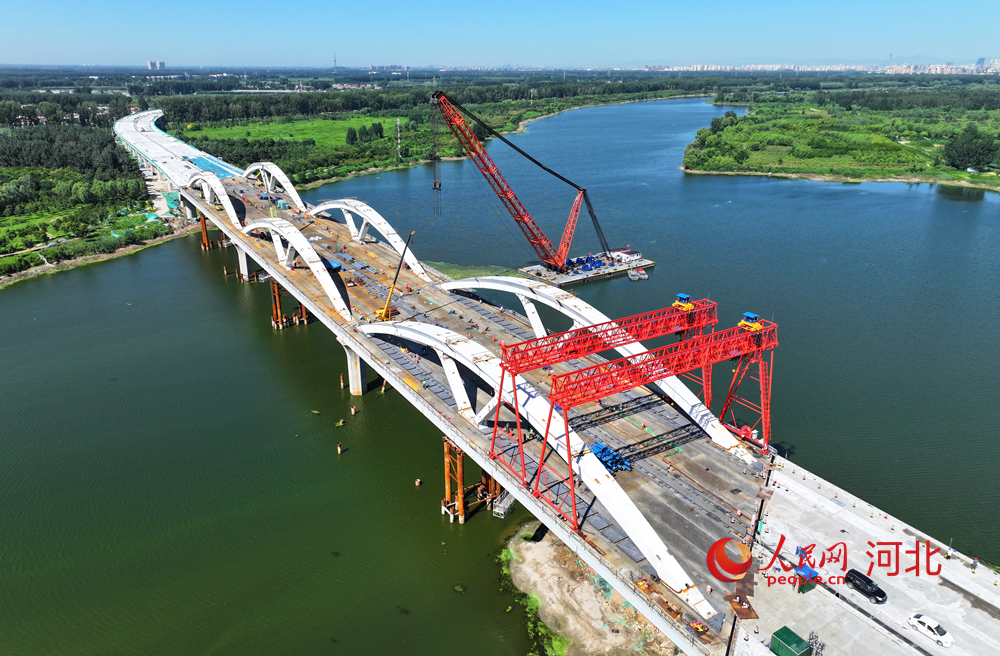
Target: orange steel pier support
278, 320
453, 503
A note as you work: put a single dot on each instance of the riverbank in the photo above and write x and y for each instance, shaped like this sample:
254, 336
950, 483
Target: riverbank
580, 614
520, 128
66, 265
909, 179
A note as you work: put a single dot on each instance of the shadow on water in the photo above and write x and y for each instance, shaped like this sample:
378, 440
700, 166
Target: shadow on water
785, 449
951, 192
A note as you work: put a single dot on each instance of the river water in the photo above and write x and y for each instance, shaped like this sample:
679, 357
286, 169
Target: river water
166, 488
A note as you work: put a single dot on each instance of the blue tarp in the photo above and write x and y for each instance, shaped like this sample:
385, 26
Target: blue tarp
221, 169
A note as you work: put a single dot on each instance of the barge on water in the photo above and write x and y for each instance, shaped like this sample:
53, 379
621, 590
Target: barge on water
615, 262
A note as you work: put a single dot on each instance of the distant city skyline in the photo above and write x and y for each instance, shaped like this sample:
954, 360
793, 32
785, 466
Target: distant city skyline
582, 34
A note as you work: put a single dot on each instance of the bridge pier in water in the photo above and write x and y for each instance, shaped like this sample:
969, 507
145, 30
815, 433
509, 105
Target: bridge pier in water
206, 244
453, 504
244, 265
356, 372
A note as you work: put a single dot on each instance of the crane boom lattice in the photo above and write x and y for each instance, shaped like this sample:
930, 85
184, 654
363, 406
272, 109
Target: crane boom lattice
543, 248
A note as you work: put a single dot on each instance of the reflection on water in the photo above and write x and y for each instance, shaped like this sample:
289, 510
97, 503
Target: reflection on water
955, 192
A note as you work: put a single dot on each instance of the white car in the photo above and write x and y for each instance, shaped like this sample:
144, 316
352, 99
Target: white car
930, 628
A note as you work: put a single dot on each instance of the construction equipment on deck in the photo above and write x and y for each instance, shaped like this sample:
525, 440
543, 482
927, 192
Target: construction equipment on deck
507, 446
547, 253
386, 313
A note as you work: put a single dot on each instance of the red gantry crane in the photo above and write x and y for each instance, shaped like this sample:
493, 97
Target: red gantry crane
683, 317
751, 342
546, 252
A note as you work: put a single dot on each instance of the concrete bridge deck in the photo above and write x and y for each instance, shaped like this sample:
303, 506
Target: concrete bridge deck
684, 493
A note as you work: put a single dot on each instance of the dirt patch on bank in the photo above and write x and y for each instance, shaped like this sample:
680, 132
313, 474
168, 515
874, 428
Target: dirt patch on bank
573, 603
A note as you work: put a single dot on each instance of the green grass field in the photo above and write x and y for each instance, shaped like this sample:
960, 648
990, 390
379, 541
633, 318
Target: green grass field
324, 132
802, 140
34, 219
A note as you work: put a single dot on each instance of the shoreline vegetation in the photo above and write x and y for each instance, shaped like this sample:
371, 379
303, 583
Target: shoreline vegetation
934, 136
66, 265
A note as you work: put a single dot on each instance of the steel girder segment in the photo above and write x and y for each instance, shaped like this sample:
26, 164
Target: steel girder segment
588, 340
576, 387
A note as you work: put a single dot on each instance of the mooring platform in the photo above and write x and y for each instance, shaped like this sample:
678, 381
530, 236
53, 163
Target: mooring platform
577, 275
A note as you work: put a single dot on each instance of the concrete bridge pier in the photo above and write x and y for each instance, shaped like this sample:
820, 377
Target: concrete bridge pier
355, 371
244, 265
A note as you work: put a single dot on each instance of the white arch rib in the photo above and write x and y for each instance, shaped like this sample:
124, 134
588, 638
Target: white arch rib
276, 172
584, 314
211, 184
369, 216
534, 407
299, 244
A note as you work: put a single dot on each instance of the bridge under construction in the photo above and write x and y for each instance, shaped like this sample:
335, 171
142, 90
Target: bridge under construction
587, 428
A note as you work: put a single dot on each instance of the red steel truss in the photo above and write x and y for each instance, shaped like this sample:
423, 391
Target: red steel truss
581, 342
508, 446
543, 248
750, 344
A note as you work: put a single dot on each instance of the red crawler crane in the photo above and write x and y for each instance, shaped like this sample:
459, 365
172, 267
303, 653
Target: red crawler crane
751, 342
684, 317
546, 252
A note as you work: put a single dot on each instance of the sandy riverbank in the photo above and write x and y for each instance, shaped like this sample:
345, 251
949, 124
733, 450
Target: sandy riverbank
572, 604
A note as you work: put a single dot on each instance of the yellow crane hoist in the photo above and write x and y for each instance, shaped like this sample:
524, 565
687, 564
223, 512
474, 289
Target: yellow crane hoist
386, 313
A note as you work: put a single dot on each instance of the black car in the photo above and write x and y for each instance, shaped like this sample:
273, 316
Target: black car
858, 581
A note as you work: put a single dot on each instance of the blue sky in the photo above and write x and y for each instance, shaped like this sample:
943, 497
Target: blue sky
571, 34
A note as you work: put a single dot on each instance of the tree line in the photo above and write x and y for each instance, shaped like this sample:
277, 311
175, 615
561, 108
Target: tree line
364, 134
91, 151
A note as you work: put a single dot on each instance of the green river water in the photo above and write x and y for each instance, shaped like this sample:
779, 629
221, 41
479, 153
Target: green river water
165, 487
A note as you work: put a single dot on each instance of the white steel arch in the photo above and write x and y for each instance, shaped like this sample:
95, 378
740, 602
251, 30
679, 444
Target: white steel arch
298, 244
211, 186
534, 407
276, 172
369, 217
585, 314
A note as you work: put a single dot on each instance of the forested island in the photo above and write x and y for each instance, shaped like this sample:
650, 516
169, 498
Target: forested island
942, 133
